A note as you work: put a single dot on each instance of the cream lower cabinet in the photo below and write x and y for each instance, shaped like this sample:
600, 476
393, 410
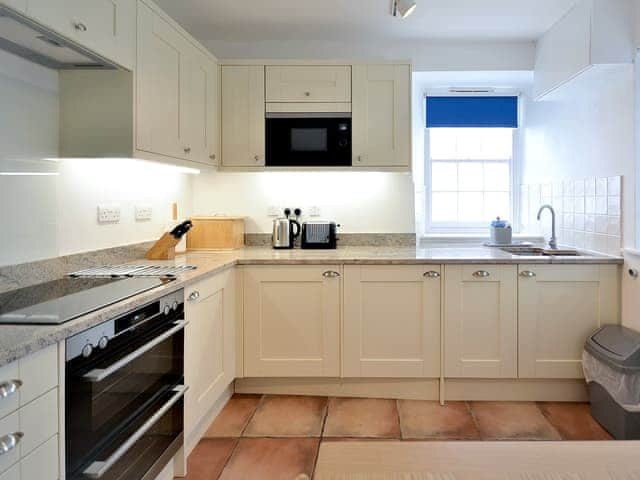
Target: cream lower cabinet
559, 306
292, 321
209, 344
481, 321
391, 321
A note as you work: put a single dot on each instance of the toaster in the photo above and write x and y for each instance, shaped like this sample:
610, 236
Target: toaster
319, 235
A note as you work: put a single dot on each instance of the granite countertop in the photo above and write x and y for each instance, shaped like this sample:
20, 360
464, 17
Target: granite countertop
17, 341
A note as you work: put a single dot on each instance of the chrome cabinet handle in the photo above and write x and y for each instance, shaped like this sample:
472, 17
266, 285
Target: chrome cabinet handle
99, 468
359, 158
330, 274
194, 296
79, 26
187, 149
481, 274
257, 158
431, 274
10, 442
307, 94
9, 388
212, 156
98, 374
527, 274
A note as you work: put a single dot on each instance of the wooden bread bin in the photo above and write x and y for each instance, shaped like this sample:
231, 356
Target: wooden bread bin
216, 233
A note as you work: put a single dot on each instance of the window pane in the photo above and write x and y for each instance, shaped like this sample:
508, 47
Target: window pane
497, 144
470, 177
444, 207
496, 177
444, 176
471, 143
442, 143
470, 207
496, 205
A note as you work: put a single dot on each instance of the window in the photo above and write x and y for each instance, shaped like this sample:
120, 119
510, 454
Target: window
470, 171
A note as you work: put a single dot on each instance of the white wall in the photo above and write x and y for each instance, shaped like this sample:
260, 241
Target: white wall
443, 56
362, 202
587, 132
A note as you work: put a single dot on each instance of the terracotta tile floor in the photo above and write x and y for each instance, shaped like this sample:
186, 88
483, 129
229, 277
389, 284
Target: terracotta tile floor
278, 437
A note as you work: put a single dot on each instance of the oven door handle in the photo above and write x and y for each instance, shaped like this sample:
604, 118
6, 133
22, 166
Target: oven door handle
99, 468
99, 374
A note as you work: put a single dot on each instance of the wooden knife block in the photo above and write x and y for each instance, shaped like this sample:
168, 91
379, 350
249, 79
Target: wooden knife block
163, 249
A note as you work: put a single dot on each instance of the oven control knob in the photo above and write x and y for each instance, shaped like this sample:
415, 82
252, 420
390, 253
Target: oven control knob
87, 350
175, 305
102, 343
167, 309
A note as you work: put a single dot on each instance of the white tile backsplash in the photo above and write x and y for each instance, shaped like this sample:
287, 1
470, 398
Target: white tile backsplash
588, 212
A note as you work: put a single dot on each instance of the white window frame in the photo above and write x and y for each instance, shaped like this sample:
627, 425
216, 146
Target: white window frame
515, 176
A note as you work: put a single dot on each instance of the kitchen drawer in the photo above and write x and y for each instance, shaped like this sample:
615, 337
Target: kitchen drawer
317, 83
37, 373
481, 273
42, 463
10, 425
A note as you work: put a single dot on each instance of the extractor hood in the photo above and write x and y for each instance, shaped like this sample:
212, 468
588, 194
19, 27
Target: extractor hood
28, 39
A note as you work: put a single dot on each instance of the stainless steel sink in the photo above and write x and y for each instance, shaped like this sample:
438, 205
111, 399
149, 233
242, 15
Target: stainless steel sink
539, 252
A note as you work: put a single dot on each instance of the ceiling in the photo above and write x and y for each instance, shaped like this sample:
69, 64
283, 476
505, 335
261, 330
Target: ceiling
365, 20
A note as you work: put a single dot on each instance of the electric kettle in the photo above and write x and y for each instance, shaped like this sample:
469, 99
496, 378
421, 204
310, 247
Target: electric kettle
285, 232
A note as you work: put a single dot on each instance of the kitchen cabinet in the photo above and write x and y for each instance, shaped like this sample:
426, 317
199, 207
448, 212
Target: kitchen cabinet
18, 5
391, 321
243, 115
559, 306
480, 321
593, 33
209, 344
292, 321
106, 27
381, 116
308, 83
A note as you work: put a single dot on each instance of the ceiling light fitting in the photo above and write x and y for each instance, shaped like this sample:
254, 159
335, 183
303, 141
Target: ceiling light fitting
404, 8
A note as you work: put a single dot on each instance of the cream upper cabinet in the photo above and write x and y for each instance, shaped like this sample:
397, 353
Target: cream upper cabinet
381, 116
243, 116
209, 344
106, 27
213, 114
559, 307
308, 83
480, 321
292, 321
391, 321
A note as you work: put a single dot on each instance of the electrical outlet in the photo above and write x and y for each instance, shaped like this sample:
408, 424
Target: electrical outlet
274, 211
108, 213
314, 211
143, 212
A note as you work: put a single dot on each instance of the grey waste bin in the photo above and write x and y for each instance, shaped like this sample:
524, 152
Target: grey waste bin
611, 363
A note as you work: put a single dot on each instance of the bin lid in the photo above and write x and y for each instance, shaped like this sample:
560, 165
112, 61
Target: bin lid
617, 346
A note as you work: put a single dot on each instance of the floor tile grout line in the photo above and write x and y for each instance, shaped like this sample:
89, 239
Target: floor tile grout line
546, 419
321, 438
233, 451
253, 414
399, 418
475, 420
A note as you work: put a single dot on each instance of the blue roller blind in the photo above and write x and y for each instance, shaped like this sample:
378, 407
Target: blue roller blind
487, 112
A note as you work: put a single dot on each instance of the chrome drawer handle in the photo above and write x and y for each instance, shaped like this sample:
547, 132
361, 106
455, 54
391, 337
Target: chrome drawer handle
431, 274
527, 274
194, 296
9, 388
98, 374
330, 274
10, 442
79, 26
99, 468
481, 274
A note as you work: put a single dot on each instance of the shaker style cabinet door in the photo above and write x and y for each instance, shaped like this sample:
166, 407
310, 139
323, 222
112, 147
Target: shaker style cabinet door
194, 114
382, 116
481, 321
292, 321
243, 111
392, 321
308, 83
559, 307
19, 5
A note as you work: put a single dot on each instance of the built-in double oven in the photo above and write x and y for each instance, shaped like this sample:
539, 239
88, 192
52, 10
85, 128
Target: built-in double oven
125, 393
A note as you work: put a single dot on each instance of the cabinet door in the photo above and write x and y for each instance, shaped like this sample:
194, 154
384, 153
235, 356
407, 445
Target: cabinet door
391, 321
480, 321
209, 344
243, 110
19, 5
194, 101
559, 306
381, 116
213, 113
161, 66
292, 321
317, 83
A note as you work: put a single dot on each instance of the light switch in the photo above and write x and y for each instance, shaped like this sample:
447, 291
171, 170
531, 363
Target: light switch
108, 213
143, 213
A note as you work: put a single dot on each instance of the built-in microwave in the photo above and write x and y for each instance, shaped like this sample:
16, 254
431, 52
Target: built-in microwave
319, 139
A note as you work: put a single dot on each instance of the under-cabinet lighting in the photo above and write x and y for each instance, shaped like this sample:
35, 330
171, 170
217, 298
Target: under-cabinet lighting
29, 174
123, 160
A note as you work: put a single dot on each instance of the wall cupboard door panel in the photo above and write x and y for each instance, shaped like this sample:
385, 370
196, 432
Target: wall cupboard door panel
292, 321
19, 5
243, 114
480, 321
308, 83
559, 307
42, 463
391, 321
381, 116
194, 115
